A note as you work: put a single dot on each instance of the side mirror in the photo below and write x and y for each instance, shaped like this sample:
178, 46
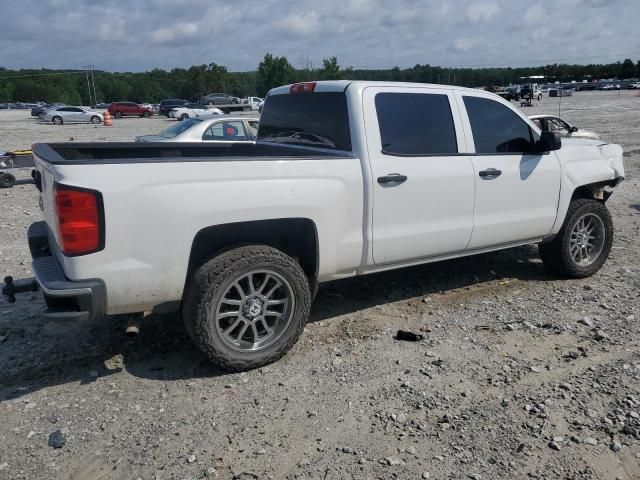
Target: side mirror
573, 129
548, 142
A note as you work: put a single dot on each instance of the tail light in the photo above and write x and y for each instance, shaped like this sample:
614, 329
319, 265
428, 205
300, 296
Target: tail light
307, 87
80, 220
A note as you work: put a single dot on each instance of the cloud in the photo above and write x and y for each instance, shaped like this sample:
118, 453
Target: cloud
300, 23
122, 35
482, 11
168, 35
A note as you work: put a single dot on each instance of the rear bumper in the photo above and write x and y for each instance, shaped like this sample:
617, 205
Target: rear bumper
65, 299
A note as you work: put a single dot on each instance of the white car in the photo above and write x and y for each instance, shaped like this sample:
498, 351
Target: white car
66, 114
346, 178
551, 123
193, 110
211, 128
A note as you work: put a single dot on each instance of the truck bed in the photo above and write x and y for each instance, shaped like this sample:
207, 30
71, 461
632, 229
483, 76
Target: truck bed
162, 152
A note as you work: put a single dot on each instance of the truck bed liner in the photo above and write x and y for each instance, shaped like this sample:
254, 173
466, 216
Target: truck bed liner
161, 152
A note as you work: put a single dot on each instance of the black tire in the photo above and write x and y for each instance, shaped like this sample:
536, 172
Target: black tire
96, 120
556, 254
117, 115
57, 120
184, 116
146, 114
7, 180
207, 288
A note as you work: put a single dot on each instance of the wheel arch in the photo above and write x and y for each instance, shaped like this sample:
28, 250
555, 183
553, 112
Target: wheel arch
595, 191
297, 237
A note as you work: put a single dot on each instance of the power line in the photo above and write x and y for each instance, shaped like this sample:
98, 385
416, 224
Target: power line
73, 72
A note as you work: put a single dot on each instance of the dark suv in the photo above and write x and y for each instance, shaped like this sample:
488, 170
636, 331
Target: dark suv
129, 109
169, 104
219, 99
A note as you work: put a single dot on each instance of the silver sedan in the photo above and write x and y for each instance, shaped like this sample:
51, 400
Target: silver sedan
214, 128
64, 114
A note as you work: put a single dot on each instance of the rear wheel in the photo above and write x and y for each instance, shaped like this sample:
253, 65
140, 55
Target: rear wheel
57, 120
95, 120
7, 180
584, 241
247, 307
117, 114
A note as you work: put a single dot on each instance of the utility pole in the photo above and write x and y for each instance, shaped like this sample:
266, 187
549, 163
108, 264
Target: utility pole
88, 71
93, 83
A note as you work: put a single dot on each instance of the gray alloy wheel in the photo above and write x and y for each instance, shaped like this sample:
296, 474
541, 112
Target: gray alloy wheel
583, 243
117, 115
247, 306
587, 239
254, 310
95, 120
184, 116
57, 120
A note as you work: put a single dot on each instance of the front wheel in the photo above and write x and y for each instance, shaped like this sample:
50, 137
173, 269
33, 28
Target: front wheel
146, 114
184, 116
95, 120
247, 307
57, 120
584, 241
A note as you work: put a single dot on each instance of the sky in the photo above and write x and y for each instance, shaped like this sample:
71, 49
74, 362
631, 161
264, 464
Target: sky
138, 35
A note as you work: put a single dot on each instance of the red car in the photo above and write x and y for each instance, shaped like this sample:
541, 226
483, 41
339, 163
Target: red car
129, 109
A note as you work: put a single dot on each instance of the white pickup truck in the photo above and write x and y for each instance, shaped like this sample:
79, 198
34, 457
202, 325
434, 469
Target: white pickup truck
346, 178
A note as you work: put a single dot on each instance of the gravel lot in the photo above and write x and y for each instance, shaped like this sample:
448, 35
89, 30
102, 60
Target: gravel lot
520, 375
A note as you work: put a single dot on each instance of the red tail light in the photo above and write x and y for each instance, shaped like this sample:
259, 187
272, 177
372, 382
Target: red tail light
80, 220
307, 87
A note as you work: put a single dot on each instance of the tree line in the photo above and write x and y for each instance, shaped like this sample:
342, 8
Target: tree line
70, 86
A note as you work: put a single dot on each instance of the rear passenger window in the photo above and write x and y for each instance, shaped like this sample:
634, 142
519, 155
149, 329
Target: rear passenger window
496, 128
226, 131
416, 124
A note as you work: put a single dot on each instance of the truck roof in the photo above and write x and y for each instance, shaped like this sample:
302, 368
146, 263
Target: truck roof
341, 85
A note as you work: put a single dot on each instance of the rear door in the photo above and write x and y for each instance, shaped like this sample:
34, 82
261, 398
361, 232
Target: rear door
423, 187
226, 131
517, 190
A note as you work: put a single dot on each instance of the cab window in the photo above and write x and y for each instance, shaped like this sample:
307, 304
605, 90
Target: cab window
496, 128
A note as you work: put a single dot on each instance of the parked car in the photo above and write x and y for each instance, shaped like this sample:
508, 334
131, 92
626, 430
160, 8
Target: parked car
129, 109
169, 104
219, 99
102, 106
66, 114
191, 110
551, 123
373, 176
36, 111
609, 86
260, 106
211, 128
634, 86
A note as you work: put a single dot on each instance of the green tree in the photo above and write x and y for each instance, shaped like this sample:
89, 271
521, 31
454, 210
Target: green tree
330, 69
273, 72
628, 69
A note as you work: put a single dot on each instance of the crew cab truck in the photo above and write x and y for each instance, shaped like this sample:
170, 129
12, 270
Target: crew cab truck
346, 178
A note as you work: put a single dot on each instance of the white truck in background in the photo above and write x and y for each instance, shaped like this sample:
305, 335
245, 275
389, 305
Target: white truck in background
347, 178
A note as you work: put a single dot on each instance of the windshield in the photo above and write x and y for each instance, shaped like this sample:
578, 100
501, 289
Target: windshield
308, 119
178, 128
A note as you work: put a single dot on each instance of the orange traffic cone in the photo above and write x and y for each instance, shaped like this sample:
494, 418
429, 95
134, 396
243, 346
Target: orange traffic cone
107, 119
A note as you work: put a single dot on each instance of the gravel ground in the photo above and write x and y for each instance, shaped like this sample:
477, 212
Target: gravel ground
520, 374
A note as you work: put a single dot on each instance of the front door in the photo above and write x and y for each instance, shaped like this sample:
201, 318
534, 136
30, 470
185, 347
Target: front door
517, 190
422, 188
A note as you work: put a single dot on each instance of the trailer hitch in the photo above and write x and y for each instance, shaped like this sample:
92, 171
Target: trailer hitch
11, 287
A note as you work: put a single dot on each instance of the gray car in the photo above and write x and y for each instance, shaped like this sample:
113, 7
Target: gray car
213, 128
67, 114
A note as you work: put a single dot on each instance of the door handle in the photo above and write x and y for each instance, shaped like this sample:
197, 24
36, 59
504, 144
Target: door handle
392, 179
490, 173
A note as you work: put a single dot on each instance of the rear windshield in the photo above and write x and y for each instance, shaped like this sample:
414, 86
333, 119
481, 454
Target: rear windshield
178, 128
307, 119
